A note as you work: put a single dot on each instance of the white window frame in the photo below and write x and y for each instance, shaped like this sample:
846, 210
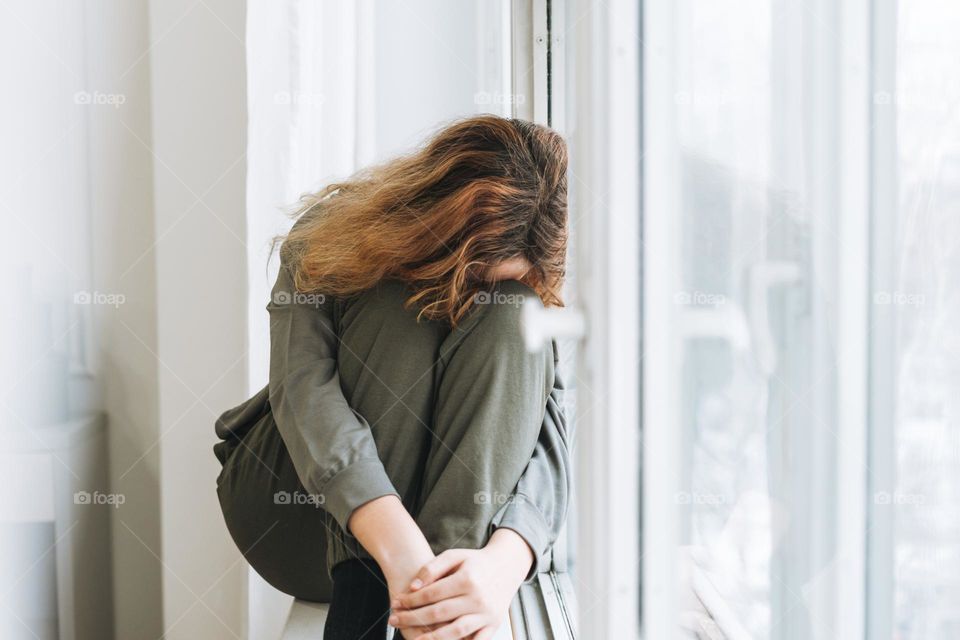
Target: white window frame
604, 138
604, 142
882, 444
661, 419
853, 300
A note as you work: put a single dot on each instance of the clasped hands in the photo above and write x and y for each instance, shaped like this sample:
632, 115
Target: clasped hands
461, 593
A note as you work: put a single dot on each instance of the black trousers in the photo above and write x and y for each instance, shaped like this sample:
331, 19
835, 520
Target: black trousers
360, 605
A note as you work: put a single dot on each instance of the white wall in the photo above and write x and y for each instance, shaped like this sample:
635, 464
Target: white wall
166, 184
78, 217
134, 189
122, 235
199, 144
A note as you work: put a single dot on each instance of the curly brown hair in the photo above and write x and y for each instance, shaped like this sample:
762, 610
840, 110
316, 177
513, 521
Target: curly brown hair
481, 191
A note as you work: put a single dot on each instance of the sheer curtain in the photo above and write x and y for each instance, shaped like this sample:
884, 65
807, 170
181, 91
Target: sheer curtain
309, 83
333, 87
309, 75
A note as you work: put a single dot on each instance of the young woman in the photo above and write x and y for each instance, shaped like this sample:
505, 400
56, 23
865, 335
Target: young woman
408, 445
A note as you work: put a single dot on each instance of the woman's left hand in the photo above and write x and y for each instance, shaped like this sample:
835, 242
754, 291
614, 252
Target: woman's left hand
465, 593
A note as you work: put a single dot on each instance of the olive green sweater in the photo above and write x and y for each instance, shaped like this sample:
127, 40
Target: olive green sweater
335, 451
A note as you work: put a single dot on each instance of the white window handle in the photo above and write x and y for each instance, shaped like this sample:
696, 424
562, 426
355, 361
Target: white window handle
726, 322
763, 276
540, 325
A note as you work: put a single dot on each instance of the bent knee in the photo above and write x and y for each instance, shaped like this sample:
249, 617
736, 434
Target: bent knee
492, 336
497, 317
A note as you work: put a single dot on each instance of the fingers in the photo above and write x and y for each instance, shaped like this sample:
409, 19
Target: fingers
460, 628
485, 634
441, 612
439, 567
447, 587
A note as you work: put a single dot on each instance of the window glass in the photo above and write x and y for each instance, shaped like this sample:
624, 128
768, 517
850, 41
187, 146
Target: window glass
756, 314
926, 302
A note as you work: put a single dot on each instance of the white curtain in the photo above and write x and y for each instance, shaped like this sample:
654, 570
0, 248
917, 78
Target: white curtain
315, 116
308, 83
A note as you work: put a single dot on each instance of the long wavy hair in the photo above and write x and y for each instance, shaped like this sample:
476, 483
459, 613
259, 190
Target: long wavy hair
481, 191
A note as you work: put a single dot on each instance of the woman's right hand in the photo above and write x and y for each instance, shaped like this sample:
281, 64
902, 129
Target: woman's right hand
465, 593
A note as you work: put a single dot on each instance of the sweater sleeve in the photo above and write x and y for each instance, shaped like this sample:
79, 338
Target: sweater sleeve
537, 509
331, 446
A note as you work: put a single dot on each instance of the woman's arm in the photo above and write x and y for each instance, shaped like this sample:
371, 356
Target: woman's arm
331, 446
391, 536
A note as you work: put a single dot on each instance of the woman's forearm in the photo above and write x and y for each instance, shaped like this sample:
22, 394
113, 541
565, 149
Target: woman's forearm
389, 534
509, 545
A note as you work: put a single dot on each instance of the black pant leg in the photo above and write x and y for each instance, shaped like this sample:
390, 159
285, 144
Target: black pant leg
361, 604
